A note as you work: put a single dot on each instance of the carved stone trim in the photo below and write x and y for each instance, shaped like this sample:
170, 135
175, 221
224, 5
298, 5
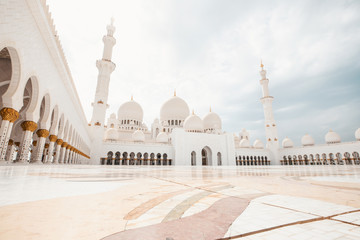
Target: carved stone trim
52, 138
42, 133
29, 126
9, 114
59, 141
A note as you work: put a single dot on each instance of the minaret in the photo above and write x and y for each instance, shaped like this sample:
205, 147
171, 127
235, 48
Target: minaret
272, 140
105, 67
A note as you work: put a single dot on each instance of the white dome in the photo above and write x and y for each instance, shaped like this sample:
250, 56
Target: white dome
162, 137
244, 134
357, 134
212, 121
258, 144
332, 137
244, 143
236, 138
193, 123
130, 110
174, 109
138, 136
111, 134
307, 140
287, 143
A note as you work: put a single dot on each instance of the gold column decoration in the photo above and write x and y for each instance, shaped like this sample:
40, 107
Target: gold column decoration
52, 138
59, 141
34, 143
68, 146
9, 114
17, 144
64, 144
29, 126
46, 145
42, 133
11, 142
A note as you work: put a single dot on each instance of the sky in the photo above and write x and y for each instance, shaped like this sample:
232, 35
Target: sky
210, 52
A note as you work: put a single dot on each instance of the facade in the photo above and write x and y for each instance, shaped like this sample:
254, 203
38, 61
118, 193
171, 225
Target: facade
41, 125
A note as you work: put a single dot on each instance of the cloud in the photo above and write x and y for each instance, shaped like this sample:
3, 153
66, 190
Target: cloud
210, 52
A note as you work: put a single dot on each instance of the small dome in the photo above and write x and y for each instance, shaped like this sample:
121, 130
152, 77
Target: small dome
113, 116
236, 138
212, 121
307, 140
111, 134
287, 143
131, 110
357, 134
244, 143
258, 144
174, 109
162, 138
332, 137
244, 134
138, 136
193, 123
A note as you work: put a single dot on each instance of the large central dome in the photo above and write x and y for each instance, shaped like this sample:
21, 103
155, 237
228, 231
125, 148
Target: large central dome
130, 110
174, 109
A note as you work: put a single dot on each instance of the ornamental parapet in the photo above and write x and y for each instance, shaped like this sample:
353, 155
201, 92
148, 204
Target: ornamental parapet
9, 114
29, 126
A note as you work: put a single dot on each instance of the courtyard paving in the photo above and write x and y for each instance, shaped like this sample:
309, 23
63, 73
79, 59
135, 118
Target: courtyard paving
150, 202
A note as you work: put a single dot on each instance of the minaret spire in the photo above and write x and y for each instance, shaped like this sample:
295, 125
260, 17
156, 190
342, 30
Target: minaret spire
105, 67
272, 142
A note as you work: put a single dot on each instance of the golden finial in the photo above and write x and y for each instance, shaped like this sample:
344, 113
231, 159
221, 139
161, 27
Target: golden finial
132, 97
262, 65
175, 92
193, 113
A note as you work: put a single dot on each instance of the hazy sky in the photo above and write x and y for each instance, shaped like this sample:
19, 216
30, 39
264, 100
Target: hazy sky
210, 52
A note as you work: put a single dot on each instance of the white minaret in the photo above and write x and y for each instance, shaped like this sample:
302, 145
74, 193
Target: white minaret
272, 140
105, 67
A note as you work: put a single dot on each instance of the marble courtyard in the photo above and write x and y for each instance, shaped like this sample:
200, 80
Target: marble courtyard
121, 202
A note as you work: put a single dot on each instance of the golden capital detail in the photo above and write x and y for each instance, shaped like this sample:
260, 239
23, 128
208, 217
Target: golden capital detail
46, 145
29, 126
68, 146
59, 141
34, 143
11, 142
42, 133
64, 144
9, 114
52, 138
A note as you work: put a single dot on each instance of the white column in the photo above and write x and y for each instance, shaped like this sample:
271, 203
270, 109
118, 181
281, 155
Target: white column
42, 134
52, 139
57, 152
9, 116
29, 127
62, 153
10, 151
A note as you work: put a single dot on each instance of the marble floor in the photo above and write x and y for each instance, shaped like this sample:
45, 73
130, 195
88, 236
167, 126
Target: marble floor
180, 203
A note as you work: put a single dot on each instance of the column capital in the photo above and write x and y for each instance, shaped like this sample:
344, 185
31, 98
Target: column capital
11, 142
9, 114
46, 145
64, 144
42, 133
68, 146
59, 141
34, 143
29, 126
52, 138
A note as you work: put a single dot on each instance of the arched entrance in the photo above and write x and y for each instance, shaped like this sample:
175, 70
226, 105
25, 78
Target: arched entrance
219, 159
206, 156
193, 158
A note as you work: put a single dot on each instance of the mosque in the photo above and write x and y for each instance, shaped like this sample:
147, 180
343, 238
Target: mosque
43, 121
